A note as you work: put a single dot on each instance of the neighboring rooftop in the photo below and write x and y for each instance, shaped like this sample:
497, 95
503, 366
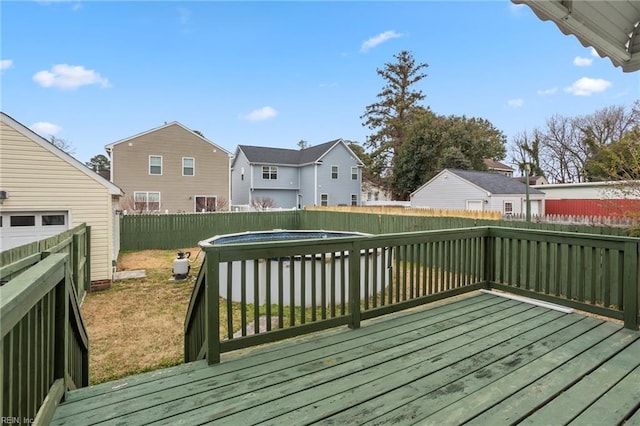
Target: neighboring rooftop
293, 157
495, 183
496, 165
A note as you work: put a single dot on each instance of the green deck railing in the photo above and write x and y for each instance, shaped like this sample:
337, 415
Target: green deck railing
74, 242
44, 341
297, 287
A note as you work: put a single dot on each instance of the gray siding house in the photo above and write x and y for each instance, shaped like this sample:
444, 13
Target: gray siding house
472, 190
326, 174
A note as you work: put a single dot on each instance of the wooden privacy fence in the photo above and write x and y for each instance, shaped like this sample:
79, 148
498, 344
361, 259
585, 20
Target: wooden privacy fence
250, 294
44, 340
141, 232
74, 242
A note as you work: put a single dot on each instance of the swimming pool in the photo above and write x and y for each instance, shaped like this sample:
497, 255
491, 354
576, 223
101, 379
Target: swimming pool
302, 280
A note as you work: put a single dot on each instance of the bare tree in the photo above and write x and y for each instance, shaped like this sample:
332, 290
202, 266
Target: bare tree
263, 203
222, 204
526, 150
63, 144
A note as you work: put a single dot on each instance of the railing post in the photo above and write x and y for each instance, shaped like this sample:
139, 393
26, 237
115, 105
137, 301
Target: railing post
75, 253
488, 247
87, 255
354, 285
61, 336
630, 306
212, 305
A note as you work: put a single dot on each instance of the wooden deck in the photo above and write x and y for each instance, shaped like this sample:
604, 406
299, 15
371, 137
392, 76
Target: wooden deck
481, 359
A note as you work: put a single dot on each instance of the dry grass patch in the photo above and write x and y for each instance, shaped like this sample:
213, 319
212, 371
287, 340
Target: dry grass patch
138, 325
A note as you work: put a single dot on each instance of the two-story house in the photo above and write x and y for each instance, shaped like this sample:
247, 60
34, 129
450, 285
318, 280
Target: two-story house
325, 174
171, 169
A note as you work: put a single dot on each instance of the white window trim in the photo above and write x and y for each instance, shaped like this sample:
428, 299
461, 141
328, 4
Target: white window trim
195, 197
194, 166
504, 207
161, 166
337, 172
321, 195
357, 175
147, 200
269, 172
352, 197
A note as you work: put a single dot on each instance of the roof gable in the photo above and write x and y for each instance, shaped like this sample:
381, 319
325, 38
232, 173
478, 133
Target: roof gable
155, 129
34, 137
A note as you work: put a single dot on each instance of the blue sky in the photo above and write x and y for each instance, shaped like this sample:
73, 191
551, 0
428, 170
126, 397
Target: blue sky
272, 73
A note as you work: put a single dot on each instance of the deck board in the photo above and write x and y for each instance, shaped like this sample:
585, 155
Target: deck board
479, 358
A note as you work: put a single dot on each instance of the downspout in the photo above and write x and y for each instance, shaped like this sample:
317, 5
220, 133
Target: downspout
315, 184
230, 177
250, 184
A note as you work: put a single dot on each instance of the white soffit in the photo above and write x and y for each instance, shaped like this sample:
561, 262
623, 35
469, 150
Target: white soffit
609, 26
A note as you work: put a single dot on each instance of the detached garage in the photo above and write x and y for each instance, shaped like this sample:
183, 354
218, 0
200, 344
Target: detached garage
45, 191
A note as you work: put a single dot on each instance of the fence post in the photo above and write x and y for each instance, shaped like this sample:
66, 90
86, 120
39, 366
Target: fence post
630, 305
354, 285
212, 304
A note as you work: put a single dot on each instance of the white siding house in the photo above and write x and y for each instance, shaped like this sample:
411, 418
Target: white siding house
48, 191
472, 190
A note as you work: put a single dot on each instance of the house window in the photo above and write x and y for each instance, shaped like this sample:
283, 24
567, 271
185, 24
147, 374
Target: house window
354, 173
269, 172
324, 199
508, 208
334, 172
155, 164
205, 204
188, 166
354, 199
52, 219
22, 221
146, 201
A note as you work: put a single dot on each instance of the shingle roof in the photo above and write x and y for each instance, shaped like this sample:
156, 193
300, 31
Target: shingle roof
495, 165
495, 183
294, 157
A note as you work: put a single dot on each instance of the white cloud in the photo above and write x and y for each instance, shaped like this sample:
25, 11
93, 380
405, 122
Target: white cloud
515, 103
69, 77
45, 129
6, 64
184, 15
260, 114
328, 84
587, 86
546, 92
579, 61
516, 9
379, 39
75, 6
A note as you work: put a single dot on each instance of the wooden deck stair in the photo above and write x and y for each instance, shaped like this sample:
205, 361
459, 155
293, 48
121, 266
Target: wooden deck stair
478, 358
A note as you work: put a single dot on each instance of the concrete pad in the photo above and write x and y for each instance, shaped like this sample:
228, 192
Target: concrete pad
125, 275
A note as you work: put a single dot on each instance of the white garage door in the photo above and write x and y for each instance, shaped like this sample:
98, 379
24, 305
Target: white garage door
18, 228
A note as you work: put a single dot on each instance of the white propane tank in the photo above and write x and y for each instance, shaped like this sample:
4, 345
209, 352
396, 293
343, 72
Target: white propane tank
181, 266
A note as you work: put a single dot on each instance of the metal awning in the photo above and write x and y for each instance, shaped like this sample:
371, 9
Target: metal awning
610, 27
